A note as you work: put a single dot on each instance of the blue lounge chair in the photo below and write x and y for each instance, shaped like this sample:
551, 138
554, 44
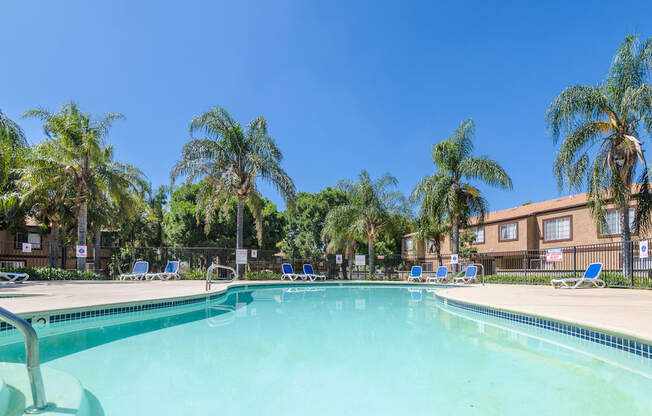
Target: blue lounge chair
441, 277
470, 275
415, 274
310, 272
591, 278
171, 271
139, 271
290, 274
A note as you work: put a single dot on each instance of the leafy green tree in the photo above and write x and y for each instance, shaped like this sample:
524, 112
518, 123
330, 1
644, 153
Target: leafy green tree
600, 128
231, 160
13, 149
447, 191
305, 221
466, 243
432, 228
76, 147
370, 206
340, 233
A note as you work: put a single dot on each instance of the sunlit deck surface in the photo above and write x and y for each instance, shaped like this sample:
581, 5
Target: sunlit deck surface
621, 311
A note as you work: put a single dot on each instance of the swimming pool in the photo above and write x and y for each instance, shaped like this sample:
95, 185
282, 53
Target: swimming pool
347, 350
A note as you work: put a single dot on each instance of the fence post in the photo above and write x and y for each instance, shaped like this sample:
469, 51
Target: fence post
574, 261
631, 260
525, 264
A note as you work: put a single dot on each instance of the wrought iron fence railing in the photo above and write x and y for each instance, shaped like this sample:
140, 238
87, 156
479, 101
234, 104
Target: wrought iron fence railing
535, 266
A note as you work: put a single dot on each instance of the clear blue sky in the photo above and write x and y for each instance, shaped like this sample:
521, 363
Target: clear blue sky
344, 85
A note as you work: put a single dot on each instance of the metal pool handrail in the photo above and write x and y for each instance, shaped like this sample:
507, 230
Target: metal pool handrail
214, 266
31, 360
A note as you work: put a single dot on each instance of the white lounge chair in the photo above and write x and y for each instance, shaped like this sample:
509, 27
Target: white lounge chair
415, 274
171, 271
591, 278
310, 272
471, 274
139, 271
441, 277
290, 274
12, 277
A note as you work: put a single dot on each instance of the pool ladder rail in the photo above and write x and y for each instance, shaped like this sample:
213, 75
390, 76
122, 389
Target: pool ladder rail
31, 360
209, 274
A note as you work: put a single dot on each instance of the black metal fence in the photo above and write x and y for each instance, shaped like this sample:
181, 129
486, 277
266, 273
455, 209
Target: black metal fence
518, 267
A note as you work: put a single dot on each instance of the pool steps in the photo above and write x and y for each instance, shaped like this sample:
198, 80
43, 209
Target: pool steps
62, 389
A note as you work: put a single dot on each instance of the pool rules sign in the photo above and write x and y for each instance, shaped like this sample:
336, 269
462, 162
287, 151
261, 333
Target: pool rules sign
241, 256
643, 249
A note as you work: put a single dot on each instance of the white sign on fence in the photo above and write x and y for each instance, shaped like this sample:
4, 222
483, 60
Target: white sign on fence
554, 254
360, 259
338, 258
643, 249
82, 251
27, 248
241, 256
454, 259
254, 254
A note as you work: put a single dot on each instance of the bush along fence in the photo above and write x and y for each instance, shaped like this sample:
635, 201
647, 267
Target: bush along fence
517, 267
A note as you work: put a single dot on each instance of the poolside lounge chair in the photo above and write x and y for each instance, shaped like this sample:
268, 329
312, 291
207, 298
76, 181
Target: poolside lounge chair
470, 275
310, 272
441, 277
139, 271
12, 277
171, 271
591, 278
415, 274
290, 274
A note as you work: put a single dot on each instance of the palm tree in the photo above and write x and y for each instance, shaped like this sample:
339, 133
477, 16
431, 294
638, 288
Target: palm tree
12, 141
371, 204
604, 123
432, 227
339, 234
447, 192
76, 147
230, 160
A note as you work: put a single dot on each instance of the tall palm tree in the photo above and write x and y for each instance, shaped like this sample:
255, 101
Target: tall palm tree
230, 160
45, 191
339, 234
447, 192
12, 142
604, 123
371, 204
432, 228
76, 146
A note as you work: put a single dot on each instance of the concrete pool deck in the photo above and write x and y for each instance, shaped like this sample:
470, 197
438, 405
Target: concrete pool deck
623, 311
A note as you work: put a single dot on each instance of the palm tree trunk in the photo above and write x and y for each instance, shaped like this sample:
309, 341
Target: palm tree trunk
97, 251
82, 226
350, 271
455, 239
239, 227
625, 243
372, 257
54, 245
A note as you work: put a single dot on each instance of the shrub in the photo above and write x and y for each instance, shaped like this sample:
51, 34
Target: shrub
262, 276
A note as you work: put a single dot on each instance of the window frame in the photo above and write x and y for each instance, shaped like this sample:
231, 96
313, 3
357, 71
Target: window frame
411, 241
570, 238
18, 244
632, 207
484, 238
500, 239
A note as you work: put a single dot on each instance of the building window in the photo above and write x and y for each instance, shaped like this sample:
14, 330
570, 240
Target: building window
479, 235
557, 229
33, 238
612, 218
427, 267
409, 244
508, 232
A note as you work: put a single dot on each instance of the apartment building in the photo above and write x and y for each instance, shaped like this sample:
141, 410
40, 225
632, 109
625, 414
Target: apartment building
531, 229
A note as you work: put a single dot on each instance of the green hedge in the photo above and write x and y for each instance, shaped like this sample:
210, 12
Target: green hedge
47, 273
262, 276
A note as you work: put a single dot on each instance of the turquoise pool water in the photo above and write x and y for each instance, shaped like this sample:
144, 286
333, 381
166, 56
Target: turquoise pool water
340, 351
